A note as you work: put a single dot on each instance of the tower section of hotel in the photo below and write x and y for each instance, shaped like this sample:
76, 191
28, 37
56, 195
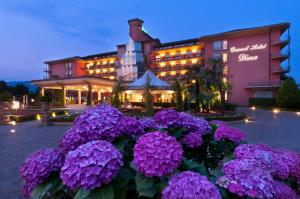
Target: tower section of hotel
255, 59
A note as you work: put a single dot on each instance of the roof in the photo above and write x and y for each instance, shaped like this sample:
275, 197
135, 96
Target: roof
281, 26
63, 59
100, 55
155, 82
193, 41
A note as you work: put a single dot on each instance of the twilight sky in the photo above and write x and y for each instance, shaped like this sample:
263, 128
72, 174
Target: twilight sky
33, 31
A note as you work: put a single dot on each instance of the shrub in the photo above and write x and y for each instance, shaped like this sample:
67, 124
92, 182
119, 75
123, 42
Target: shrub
5, 96
230, 106
288, 95
45, 98
266, 102
172, 155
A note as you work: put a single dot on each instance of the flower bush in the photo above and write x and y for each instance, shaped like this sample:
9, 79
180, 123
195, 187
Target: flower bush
190, 185
91, 165
157, 154
106, 154
38, 167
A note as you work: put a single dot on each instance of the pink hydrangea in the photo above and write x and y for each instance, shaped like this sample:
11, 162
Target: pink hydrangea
232, 134
157, 154
190, 185
91, 165
192, 140
38, 167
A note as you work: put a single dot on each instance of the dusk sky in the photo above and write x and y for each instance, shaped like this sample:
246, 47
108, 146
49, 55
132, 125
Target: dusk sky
33, 31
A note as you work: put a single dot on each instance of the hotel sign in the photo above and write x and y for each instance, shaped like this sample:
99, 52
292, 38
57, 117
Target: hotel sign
244, 56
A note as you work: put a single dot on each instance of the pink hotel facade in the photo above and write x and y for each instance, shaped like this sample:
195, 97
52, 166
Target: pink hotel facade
255, 60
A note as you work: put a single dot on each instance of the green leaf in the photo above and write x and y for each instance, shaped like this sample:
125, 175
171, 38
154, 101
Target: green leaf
195, 166
105, 192
145, 186
120, 144
41, 190
228, 158
81, 194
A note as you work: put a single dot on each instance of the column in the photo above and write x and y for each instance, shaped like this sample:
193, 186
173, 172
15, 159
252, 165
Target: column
64, 95
79, 97
89, 95
42, 91
99, 96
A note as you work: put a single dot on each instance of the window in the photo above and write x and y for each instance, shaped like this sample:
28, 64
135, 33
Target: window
68, 73
225, 57
69, 65
220, 45
217, 55
225, 70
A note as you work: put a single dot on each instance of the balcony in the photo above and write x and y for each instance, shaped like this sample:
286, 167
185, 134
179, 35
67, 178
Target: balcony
281, 69
179, 57
263, 85
281, 57
281, 43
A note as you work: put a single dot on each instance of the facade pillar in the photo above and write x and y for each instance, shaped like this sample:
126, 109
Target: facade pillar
79, 97
42, 91
99, 96
64, 95
89, 95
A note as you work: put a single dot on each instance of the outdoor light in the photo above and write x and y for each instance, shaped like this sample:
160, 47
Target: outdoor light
246, 120
12, 130
298, 113
53, 114
32, 100
13, 123
194, 61
275, 111
38, 117
253, 108
15, 105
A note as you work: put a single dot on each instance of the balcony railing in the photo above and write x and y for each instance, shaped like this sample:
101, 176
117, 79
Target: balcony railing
263, 85
281, 69
178, 57
282, 42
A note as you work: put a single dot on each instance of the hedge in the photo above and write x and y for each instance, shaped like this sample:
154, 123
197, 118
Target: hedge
267, 102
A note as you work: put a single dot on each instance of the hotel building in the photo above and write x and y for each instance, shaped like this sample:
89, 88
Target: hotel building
255, 60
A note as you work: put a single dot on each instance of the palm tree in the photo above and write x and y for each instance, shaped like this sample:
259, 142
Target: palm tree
193, 80
148, 97
115, 97
216, 78
177, 86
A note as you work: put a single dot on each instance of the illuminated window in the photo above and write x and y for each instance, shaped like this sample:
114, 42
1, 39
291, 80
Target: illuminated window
173, 73
111, 61
183, 72
172, 53
183, 52
194, 50
163, 74
91, 71
225, 45
194, 61
111, 77
225, 80
112, 69
183, 62
225, 57
157, 56
104, 62
97, 71
162, 55
225, 70
162, 64
104, 70
193, 81
173, 63
98, 63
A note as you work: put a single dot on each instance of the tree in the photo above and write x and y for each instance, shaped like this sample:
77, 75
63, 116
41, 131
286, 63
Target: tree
149, 98
115, 97
193, 80
288, 95
19, 90
216, 78
3, 86
5, 96
178, 93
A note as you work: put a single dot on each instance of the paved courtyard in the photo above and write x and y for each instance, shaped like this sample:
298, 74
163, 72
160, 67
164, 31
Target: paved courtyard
282, 130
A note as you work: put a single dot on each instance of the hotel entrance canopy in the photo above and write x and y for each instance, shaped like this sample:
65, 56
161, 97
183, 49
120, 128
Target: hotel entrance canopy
84, 83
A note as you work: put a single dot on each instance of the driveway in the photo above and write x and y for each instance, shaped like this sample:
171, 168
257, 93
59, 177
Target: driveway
280, 130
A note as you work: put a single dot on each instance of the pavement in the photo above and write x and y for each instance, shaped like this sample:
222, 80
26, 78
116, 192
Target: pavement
277, 130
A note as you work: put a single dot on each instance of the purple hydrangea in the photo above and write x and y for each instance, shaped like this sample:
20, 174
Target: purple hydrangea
192, 140
232, 134
192, 123
148, 123
39, 166
91, 165
283, 191
99, 123
282, 163
157, 154
245, 178
218, 123
130, 126
167, 118
190, 185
